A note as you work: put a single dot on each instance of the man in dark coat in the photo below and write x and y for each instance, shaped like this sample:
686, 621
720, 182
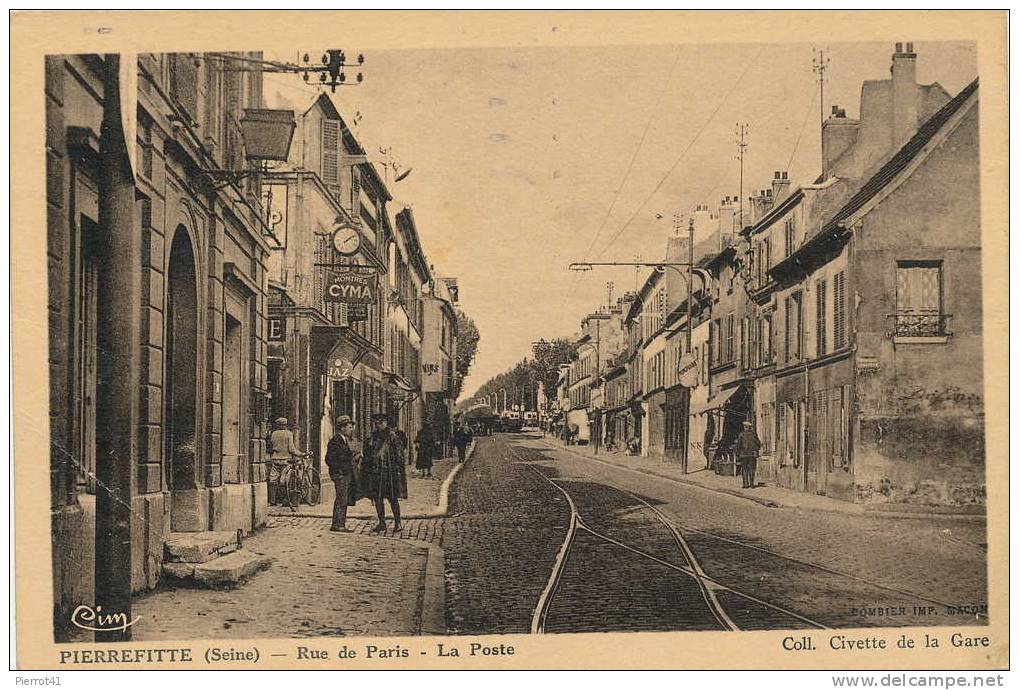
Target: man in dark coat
340, 461
461, 439
384, 472
747, 447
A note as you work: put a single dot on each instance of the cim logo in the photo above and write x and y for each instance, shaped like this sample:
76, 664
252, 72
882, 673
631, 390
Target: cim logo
88, 618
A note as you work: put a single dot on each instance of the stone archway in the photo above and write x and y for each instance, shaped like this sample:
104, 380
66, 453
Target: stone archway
188, 512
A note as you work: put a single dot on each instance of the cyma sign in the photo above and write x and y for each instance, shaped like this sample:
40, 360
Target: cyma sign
351, 288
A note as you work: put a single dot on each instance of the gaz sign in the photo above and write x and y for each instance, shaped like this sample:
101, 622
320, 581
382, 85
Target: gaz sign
351, 288
340, 369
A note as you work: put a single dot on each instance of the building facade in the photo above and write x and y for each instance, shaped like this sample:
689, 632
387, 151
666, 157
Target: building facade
158, 296
842, 317
438, 358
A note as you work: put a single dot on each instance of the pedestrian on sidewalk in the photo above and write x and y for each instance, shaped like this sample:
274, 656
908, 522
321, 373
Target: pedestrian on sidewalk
425, 446
340, 461
282, 448
747, 448
384, 472
461, 439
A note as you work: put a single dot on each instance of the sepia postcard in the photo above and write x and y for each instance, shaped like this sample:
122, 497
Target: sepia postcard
510, 340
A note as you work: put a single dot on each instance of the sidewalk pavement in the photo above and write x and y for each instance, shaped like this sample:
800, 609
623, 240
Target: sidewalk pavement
320, 583
771, 496
426, 497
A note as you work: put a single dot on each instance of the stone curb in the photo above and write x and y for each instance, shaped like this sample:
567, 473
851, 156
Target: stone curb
441, 510
849, 508
433, 599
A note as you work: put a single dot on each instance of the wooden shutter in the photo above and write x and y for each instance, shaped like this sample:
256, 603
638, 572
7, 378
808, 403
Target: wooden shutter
918, 289
839, 309
821, 301
330, 153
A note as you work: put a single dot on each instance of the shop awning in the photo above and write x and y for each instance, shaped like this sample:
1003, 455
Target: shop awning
727, 398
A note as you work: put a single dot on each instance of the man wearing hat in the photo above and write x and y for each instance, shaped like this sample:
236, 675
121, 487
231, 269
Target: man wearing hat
385, 471
340, 461
747, 447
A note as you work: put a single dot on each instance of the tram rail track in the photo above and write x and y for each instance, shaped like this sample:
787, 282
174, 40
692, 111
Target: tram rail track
775, 554
708, 586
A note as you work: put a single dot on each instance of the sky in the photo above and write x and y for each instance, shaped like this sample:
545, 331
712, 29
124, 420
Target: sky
527, 159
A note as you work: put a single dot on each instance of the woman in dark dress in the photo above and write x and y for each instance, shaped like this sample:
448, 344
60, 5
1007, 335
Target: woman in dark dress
384, 473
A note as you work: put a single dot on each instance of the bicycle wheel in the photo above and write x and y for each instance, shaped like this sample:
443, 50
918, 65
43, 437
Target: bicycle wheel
294, 490
314, 487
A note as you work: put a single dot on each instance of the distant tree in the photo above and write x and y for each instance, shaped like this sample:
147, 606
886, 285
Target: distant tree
467, 338
548, 356
519, 384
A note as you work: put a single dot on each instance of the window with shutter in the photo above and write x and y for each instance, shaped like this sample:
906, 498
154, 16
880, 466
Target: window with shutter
839, 310
184, 83
918, 299
793, 327
821, 299
730, 333
790, 237
330, 153
320, 272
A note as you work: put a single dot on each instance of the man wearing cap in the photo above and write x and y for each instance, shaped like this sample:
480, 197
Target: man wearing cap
340, 461
384, 472
281, 448
747, 447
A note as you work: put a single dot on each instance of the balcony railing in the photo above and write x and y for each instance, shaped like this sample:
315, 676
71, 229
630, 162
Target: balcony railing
911, 324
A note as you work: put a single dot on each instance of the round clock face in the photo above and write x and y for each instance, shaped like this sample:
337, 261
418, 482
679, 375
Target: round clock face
346, 240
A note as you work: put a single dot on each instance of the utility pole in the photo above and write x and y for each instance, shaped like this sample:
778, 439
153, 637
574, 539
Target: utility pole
610, 286
742, 129
820, 67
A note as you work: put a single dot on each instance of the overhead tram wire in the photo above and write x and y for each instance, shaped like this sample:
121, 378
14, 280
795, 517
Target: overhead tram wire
803, 128
682, 155
629, 168
633, 159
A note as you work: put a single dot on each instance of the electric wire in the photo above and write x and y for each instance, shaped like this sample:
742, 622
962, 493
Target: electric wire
803, 127
629, 169
689, 145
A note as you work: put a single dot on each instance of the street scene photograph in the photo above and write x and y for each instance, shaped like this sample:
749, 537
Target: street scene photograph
467, 342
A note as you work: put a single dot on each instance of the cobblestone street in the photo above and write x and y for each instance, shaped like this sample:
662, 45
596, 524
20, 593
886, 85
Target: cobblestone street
541, 539
642, 540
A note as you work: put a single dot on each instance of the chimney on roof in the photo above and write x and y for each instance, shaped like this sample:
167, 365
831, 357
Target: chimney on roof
838, 134
727, 212
904, 94
780, 185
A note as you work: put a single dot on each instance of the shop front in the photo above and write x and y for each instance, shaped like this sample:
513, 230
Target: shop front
725, 411
676, 410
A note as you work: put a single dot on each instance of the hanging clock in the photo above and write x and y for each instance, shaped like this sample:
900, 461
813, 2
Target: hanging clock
346, 240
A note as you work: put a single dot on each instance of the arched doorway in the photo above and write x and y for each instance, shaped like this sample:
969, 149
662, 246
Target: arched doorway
181, 391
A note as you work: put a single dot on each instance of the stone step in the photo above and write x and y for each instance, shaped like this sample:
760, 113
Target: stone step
198, 547
226, 571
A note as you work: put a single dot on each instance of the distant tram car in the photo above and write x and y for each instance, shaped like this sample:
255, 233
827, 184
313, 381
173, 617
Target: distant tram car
530, 419
512, 421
